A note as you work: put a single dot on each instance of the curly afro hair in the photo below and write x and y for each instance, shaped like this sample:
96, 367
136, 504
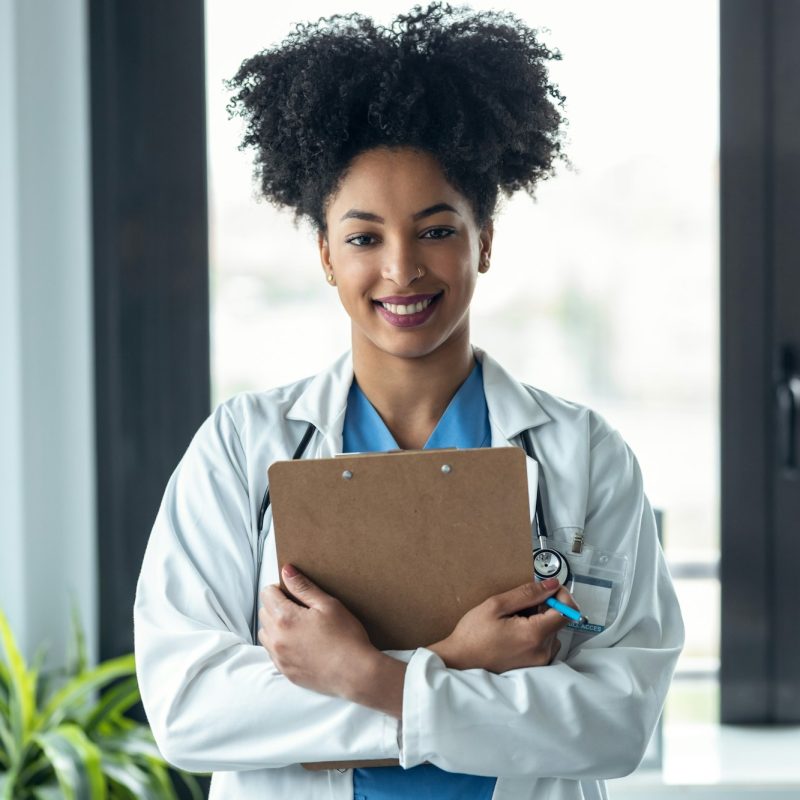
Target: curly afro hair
468, 87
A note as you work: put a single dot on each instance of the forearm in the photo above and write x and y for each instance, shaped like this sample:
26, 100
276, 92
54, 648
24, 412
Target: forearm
378, 684
587, 721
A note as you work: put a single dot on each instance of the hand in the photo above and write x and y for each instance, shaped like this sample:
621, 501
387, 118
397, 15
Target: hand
490, 637
318, 645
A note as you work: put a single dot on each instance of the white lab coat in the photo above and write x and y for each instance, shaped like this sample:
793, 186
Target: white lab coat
216, 702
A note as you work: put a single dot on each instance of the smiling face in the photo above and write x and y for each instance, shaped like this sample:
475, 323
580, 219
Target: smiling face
398, 232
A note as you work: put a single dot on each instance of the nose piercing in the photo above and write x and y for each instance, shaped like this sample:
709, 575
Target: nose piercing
420, 273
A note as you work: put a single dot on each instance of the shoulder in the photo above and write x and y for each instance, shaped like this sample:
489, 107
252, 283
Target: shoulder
252, 410
608, 453
564, 425
245, 424
568, 418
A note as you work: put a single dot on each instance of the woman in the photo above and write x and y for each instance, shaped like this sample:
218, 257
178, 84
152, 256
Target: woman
395, 143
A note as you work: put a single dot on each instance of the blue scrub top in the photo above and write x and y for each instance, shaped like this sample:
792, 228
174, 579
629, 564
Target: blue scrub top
465, 423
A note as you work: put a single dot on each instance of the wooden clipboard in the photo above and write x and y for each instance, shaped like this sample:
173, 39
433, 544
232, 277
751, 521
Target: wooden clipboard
408, 540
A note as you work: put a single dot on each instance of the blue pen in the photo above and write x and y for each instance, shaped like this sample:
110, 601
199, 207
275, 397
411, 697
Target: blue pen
566, 610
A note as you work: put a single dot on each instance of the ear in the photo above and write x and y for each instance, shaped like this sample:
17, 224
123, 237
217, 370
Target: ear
324, 253
485, 241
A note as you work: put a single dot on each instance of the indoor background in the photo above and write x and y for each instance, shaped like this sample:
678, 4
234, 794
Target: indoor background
142, 282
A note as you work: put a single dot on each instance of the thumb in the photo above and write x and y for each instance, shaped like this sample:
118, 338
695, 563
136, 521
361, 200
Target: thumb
525, 596
302, 587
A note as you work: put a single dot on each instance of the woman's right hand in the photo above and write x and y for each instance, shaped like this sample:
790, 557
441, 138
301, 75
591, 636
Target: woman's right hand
490, 637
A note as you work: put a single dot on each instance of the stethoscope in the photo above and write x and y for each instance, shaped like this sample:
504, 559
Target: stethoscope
547, 561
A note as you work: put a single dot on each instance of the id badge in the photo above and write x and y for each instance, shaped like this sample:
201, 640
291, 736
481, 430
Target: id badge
598, 582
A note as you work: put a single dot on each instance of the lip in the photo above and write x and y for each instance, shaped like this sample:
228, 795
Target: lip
404, 299
409, 320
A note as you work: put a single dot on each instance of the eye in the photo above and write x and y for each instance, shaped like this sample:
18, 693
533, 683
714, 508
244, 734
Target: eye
438, 233
358, 241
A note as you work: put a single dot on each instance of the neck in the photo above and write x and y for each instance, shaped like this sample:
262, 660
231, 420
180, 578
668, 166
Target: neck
411, 394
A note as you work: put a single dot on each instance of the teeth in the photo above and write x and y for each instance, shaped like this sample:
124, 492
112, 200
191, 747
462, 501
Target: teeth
414, 308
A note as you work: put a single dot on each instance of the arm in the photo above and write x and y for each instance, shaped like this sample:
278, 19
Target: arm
590, 716
380, 685
214, 700
316, 642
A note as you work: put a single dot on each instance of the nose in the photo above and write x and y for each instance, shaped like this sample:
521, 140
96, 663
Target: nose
401, 264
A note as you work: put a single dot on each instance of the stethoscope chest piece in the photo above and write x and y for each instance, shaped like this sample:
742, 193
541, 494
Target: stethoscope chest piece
548, 563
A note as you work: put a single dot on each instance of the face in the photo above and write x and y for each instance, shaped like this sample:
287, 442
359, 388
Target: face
399, 235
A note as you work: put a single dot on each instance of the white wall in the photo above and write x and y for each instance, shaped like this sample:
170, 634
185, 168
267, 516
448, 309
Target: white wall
47, 486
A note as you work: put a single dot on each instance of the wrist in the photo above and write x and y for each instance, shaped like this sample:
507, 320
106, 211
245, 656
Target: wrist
444, 649
377, 682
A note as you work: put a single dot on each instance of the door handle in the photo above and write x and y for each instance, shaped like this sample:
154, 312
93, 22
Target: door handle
788, 399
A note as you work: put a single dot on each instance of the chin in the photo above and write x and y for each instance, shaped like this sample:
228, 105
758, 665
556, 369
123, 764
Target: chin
410, 348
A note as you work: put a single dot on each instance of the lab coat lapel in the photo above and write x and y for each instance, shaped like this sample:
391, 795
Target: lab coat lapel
324, 402
499, 439
512, 410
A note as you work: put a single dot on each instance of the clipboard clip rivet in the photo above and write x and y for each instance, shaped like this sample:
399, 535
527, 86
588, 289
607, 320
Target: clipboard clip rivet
446, 468
347, 474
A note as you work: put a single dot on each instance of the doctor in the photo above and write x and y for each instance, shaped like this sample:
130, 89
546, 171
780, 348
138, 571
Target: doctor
507, 706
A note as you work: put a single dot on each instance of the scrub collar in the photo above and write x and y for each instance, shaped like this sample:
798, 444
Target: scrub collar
464, 424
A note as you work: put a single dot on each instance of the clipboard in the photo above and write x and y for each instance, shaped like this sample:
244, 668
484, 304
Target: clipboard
408, 540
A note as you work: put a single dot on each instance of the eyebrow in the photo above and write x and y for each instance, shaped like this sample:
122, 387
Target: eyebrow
355, 213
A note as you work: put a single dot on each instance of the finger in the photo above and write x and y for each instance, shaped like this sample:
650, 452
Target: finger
528, 595
303, 588
555, 648
565, 599
550, 622
275, 602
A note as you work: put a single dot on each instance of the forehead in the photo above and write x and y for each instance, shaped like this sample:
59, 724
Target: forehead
400, 180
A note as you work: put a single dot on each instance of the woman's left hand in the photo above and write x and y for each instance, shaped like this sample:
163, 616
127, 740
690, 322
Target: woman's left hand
319, 645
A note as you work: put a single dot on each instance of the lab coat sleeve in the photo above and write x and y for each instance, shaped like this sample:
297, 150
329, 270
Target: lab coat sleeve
589, 716
213, 699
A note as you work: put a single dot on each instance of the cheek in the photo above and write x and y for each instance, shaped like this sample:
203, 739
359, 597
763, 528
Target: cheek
354, 289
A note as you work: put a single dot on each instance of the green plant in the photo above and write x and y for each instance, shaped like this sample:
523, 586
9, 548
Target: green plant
58, 741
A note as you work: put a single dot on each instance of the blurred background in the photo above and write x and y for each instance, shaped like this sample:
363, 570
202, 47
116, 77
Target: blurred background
142, 281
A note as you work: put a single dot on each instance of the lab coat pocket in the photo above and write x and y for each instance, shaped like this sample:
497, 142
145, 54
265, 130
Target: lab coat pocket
598, 583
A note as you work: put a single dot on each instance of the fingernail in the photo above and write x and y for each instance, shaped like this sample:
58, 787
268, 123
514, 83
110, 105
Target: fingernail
550, 583
289, 571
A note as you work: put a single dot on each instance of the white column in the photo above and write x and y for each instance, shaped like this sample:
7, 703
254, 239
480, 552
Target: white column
48, 551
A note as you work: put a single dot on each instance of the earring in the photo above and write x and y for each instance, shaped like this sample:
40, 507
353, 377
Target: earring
330, 277
485, 264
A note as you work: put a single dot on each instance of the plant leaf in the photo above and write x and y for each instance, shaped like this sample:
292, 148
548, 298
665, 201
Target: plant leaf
160, 773
21, 701
125, 724
36, 669
125, 771
7, 786
5, 681
80, 664
47, 791
116, 791
137, 742
114, 702
9, 746
71, 696
76, 760
48, 681
191, 783
35, 766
